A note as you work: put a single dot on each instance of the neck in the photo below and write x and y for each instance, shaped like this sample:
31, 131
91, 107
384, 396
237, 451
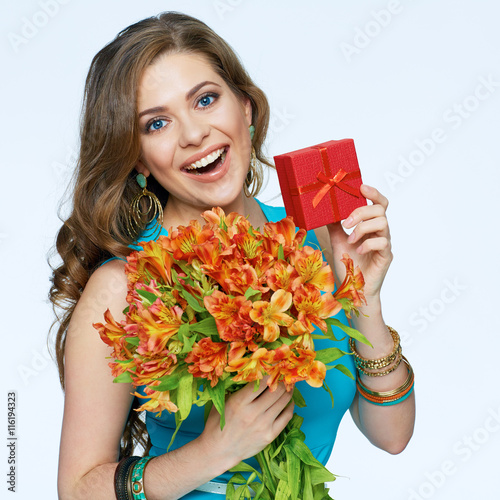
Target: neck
176, 214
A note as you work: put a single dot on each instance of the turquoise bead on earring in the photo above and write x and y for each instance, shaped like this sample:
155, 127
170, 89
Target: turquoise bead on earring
141, 180
251, 129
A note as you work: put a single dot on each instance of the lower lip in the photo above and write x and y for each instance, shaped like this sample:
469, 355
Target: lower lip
214, 175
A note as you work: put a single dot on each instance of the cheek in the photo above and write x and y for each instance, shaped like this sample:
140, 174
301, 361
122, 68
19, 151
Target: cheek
156, 151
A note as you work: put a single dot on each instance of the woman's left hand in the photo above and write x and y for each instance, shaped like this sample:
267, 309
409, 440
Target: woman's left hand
369, 245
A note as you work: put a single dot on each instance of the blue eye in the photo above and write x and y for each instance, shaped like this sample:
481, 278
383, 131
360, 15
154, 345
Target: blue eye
156, 125
207, 100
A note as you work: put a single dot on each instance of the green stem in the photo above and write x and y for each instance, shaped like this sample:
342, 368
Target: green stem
263, 459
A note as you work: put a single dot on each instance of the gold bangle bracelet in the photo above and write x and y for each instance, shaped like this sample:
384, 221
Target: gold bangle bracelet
376, 364
381, 374
387, 394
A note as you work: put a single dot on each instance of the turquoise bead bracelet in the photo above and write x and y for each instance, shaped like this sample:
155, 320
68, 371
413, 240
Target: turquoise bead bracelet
389, 403
138, 479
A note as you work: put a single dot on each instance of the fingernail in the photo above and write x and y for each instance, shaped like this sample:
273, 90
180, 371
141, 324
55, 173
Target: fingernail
347, 222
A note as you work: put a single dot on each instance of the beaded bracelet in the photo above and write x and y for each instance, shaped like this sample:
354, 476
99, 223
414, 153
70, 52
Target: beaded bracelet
376, 364
387, 398
138, 479
386, 372
123, 490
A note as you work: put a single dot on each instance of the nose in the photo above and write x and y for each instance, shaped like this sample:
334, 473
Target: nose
192, 131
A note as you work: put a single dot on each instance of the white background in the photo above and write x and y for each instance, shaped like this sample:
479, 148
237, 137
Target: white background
387, 74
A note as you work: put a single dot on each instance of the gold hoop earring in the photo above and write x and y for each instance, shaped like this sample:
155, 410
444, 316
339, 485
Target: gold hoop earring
139, 219
252, 171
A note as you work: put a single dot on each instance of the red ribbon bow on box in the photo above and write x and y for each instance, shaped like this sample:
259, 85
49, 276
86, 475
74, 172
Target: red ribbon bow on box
327, 181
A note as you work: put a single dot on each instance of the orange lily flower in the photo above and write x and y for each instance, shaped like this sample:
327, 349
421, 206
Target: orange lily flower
291, 368
312, 269
312, 307
157, 325
208, 360
283, 276
155, 260
231, 315
217, 217
147, 372
157, 401
183, 240
352, 286
272, 314
115, 335
282, 233
249, 368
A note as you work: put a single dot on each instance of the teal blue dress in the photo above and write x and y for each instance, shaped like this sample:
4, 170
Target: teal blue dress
321, 421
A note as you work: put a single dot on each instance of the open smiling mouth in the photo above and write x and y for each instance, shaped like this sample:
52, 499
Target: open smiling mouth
208, 164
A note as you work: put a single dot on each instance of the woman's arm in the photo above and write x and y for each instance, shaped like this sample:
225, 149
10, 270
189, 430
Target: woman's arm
96, 410
390, 427
369, 245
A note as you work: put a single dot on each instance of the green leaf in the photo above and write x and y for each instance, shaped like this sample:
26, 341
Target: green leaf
318, 476
206, 326
298, 398
186, 339
242, 467
218, 396
278, 472
341, 368
133, 341
253, 294
286, 341
192, 301
124, 377
230, 492
283, 492
178, 423
185, 395
168, 382
281, 253
260, 494
307, 491
293, 465
329, 331
352, 332
237, 479
304, 453
149, 297
327, 389
320, 492
329, 354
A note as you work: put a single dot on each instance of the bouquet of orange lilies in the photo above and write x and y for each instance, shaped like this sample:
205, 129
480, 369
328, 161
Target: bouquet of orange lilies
214, 307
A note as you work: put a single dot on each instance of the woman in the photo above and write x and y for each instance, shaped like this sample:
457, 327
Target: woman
169, 99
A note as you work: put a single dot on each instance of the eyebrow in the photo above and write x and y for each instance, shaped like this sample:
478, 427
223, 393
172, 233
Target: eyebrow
196, 88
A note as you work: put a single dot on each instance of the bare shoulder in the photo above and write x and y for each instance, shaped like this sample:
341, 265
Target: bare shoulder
324, 242
95, 409
105, 289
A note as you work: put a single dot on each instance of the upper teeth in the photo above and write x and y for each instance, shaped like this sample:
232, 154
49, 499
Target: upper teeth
205, 161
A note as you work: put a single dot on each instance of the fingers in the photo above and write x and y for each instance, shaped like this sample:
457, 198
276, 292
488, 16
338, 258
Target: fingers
361, 214
375, 196
380, 244
379, 226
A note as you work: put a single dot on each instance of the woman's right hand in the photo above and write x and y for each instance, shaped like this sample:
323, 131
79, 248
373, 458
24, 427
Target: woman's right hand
253, 419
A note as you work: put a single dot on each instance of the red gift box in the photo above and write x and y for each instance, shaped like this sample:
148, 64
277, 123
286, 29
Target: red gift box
320, 184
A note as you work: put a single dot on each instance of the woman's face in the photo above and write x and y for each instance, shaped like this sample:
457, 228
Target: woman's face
194, 133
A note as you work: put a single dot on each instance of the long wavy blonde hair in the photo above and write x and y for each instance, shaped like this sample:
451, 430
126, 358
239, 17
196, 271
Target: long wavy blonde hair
109, 150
